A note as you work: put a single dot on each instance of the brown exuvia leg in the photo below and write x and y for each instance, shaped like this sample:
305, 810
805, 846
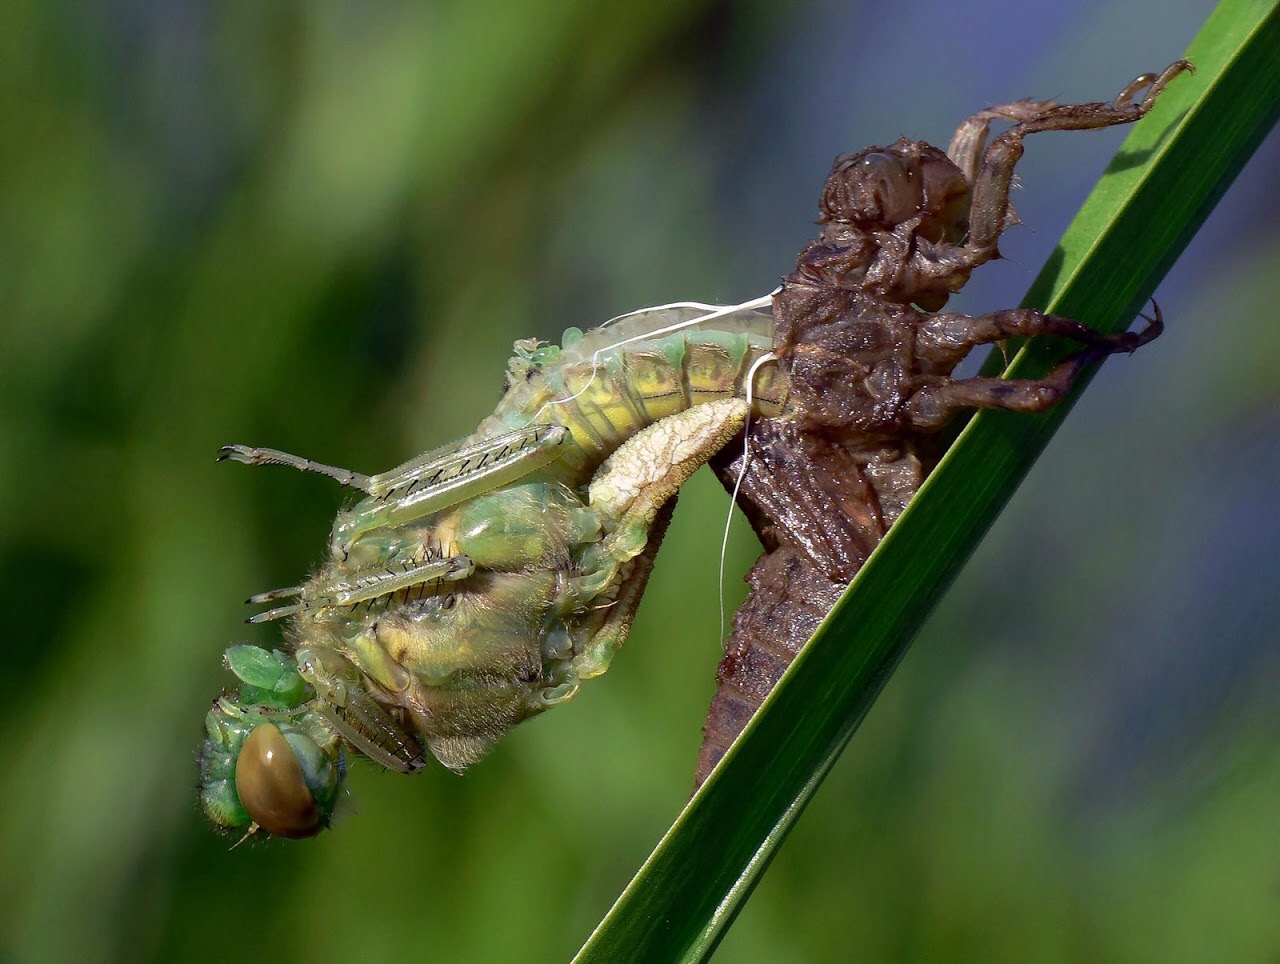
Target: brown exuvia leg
936, 403
970, 138
987, 217
945, 339
908, 390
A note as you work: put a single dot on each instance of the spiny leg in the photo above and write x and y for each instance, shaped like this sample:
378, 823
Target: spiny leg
946, 338
361, 586
368, 728
260, 456
446, 477
271, 595
345, 705
469, 458
991, 185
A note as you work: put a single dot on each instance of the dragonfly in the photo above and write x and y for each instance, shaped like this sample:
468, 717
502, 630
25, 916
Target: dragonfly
479, 584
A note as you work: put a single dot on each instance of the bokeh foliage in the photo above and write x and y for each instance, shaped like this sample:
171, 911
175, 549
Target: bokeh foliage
320, 226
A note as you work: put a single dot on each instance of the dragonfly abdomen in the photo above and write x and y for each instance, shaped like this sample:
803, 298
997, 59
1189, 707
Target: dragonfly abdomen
607, 397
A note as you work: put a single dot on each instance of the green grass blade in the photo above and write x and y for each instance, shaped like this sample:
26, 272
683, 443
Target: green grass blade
1158, 190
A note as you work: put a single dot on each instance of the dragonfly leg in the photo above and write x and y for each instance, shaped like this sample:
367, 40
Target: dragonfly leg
364, 585
446, 477
354, 714
271, 595
260, 456
470, 458
945, 339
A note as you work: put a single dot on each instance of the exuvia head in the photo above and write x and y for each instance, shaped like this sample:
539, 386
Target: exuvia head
880, 188
269, 762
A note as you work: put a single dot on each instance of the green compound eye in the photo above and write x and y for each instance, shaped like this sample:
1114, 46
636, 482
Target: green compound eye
272, 787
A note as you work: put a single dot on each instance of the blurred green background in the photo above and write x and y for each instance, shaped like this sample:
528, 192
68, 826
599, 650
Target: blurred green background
319, 226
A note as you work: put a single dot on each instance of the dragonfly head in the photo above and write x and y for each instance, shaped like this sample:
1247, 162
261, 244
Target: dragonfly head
268, 761
882, 187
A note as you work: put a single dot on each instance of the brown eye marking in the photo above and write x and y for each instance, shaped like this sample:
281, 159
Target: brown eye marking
272, 788
877, 186
896, 186
883, 164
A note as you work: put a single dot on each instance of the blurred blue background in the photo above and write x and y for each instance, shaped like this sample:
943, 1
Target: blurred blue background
320, 226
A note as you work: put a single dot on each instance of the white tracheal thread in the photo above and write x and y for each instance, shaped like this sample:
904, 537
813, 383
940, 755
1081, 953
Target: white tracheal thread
742, 474
713, 311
